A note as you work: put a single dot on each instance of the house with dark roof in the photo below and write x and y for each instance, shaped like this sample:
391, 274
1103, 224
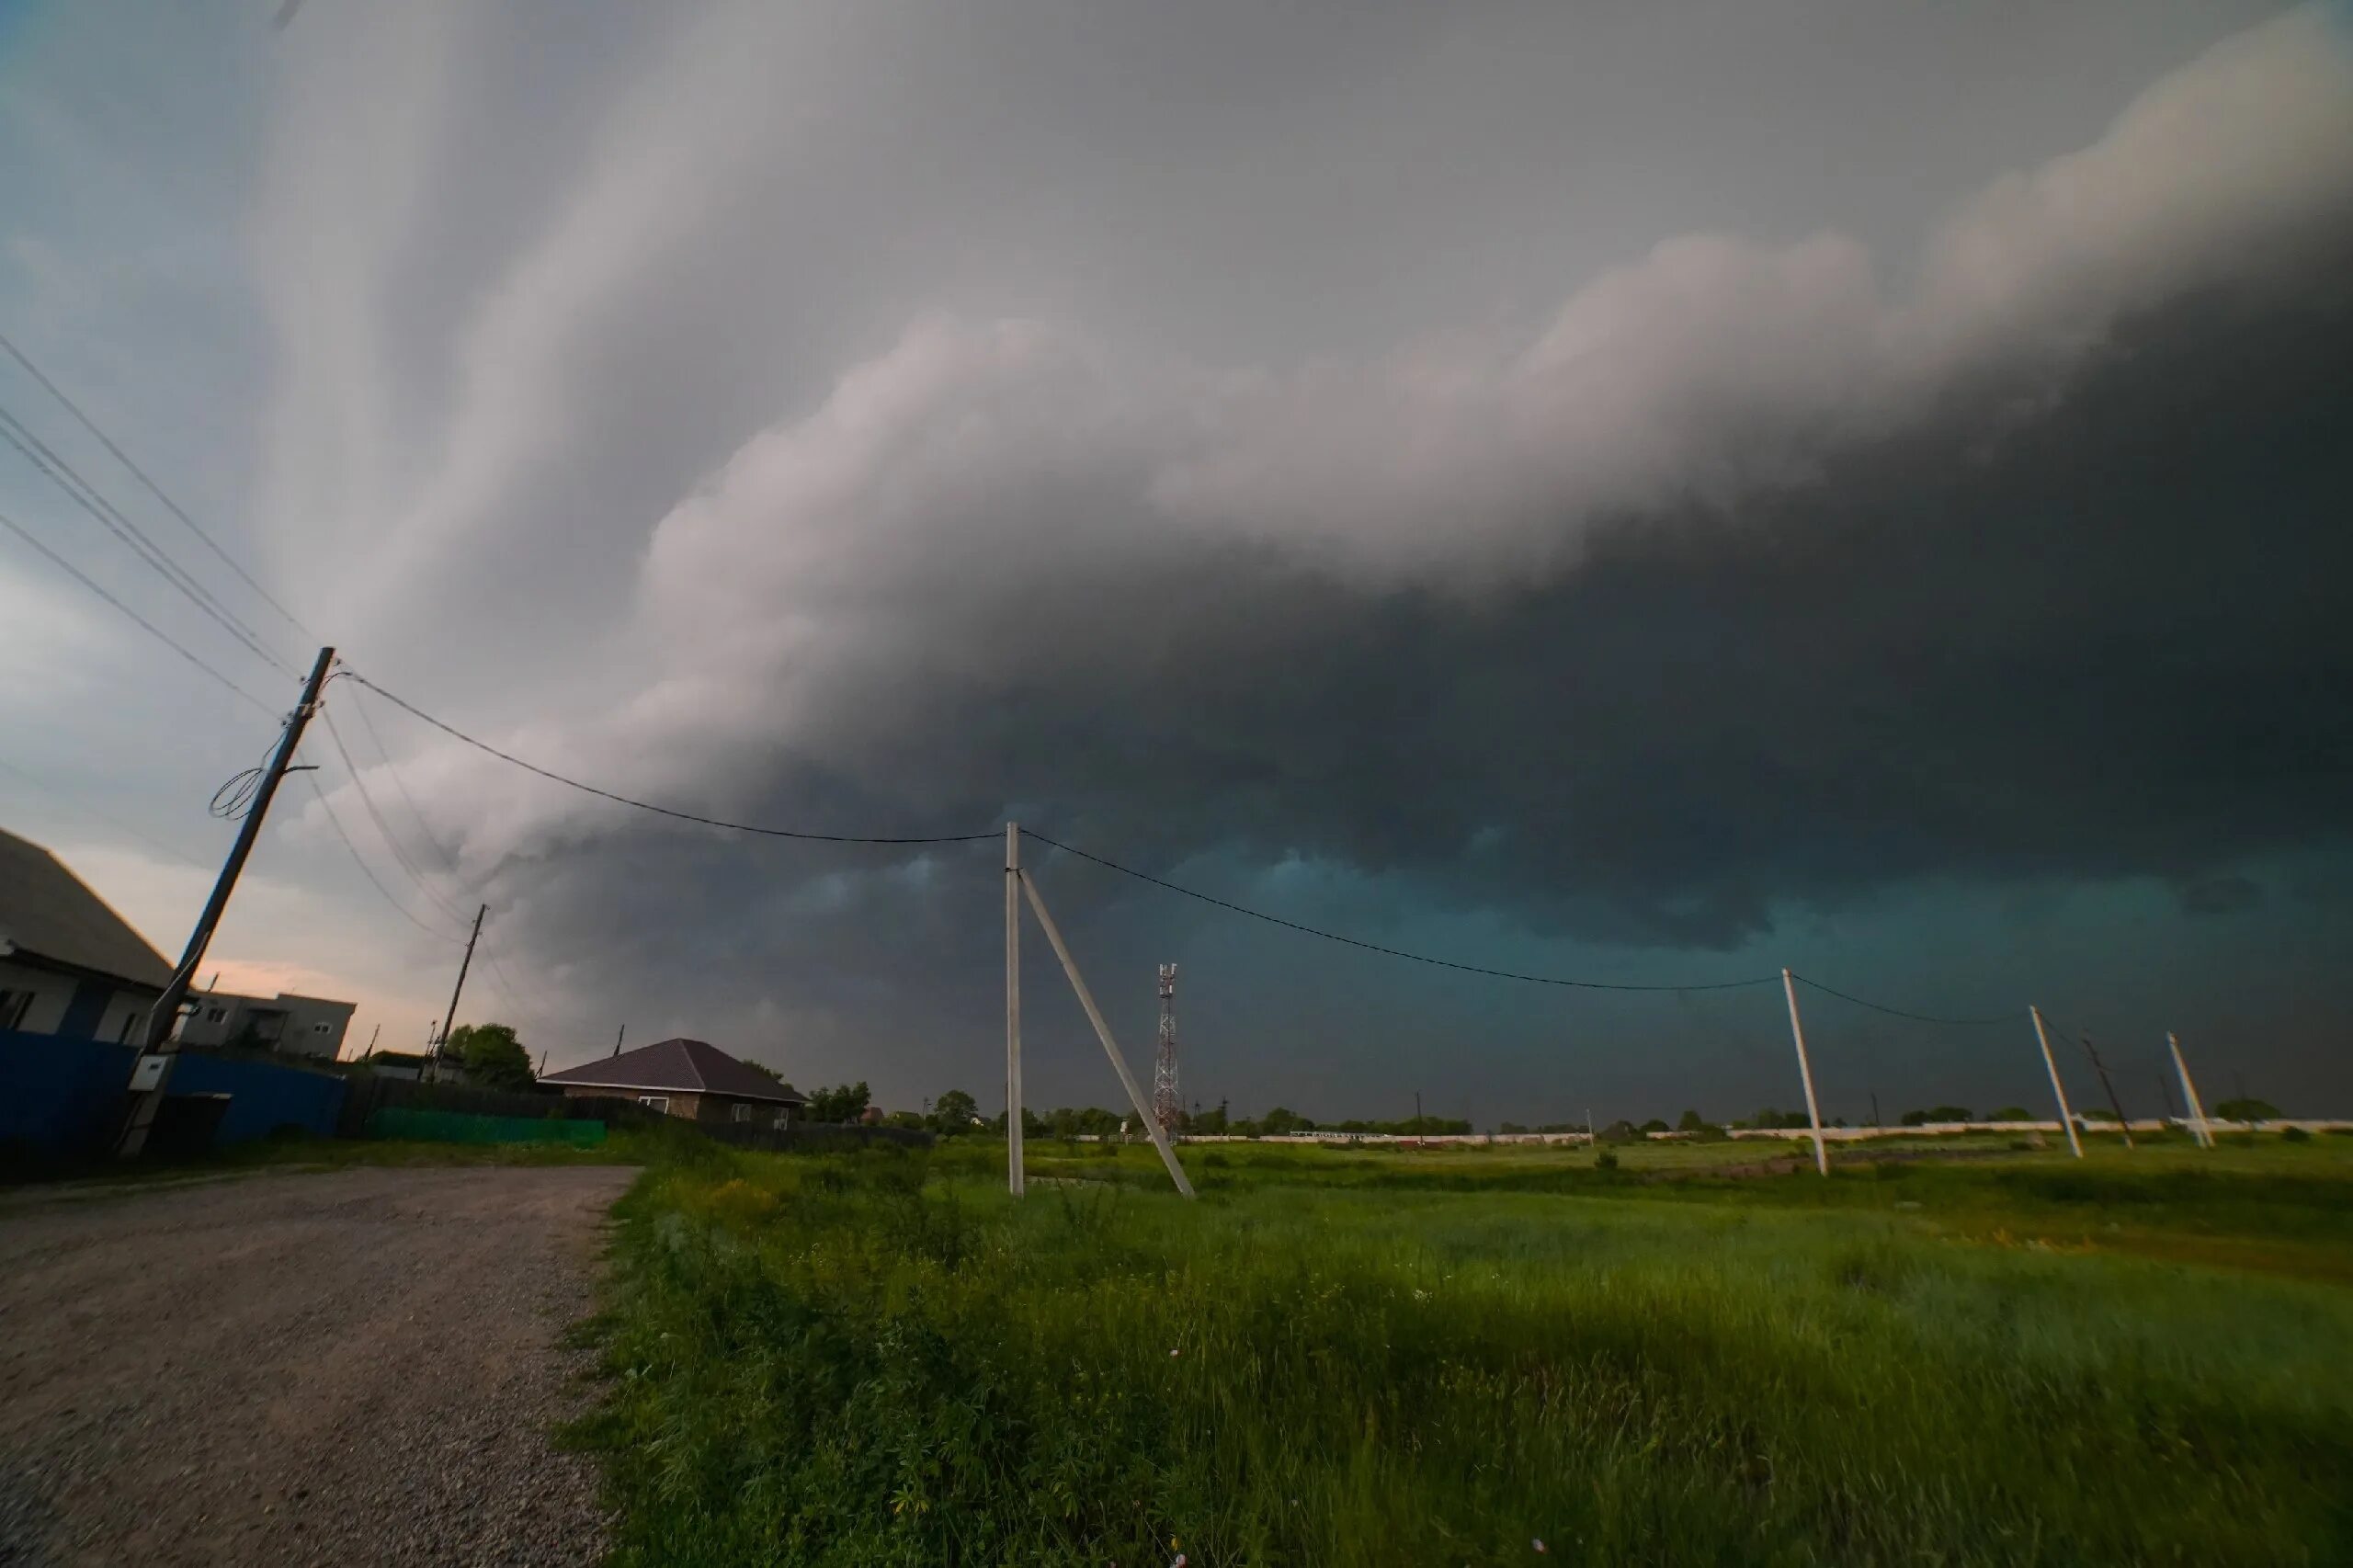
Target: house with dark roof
688, 1078
69, 965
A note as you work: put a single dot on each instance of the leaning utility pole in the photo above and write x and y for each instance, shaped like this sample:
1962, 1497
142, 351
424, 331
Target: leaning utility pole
151, 1070
2106, 1082
463, 964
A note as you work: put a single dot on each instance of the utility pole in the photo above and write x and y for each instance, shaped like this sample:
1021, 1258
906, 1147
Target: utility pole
1015, 1182
2106, 1082
149, 1076
450, 1021
1417, 1110
617, 1038
1805, 1075
2190, 1091
1876, 1122
2058, 1089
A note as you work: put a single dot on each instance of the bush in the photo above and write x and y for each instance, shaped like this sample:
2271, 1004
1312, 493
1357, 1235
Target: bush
2295, 1135
1605, 1161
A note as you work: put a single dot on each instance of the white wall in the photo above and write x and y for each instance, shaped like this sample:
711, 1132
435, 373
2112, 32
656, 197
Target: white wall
52, 991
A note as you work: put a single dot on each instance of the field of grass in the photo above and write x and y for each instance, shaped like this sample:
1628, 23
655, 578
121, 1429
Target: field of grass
1350, 1357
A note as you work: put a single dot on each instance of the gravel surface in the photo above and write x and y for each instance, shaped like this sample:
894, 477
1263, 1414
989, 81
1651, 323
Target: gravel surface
355, 1367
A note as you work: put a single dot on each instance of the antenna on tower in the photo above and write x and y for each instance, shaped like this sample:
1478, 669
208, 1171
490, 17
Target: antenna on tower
1168, 1107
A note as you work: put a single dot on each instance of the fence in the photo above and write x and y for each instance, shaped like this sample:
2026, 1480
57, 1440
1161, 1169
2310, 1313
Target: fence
368, 1095
61, 1098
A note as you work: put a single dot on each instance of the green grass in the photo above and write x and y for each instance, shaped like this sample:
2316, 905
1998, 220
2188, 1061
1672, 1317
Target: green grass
1397, 1358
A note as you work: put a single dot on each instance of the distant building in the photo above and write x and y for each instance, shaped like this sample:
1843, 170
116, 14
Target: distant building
285, 1024
407, 1065
688, 1078
69, 965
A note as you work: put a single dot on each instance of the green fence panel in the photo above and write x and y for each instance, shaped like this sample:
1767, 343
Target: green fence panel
460, 1127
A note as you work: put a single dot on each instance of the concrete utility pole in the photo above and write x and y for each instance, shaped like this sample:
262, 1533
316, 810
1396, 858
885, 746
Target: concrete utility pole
2066, 1117
2190, 1090
449, 1022
151, 1070
1805, 1075
1013, 1181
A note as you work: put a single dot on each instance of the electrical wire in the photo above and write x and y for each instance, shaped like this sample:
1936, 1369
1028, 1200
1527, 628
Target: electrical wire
384, 828
1901, 1012
385, 892
83, 493
78, 803
425, 827
143, 624
153, 488
456, 734
1391, 952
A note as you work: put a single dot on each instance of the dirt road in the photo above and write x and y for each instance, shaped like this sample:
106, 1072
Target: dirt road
344, 1368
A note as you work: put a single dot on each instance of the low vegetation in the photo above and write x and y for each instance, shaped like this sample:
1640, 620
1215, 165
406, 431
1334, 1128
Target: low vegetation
1355, 1357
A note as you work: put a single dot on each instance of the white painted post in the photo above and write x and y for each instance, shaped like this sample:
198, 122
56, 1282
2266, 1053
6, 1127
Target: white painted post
2189, 1093
1103, 1033
1805, 1072
2066, 1117
1012, 1178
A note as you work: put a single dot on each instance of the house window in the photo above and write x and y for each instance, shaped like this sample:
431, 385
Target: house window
655, 1102
320, 1028
742, 1113
12, 1008
216, 1014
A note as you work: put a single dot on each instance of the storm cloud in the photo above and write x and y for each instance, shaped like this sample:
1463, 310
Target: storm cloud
1379, 468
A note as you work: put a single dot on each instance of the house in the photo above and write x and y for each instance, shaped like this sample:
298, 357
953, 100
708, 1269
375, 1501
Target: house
69, 965
285, 1024
688, 1078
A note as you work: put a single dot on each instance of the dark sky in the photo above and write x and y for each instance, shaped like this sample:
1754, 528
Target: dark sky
1640, 498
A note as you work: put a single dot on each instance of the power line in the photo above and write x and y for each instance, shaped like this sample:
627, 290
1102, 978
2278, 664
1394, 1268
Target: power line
384, 891
109, 819
1390, 952
149, 627
456, 734
83, 493
384, 828
1899, 1012
153, 488
425, 825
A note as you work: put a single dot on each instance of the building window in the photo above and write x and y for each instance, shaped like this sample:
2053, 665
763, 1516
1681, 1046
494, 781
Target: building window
742, 1113
216, 1014
320, 1028
12, 1008
655, 1102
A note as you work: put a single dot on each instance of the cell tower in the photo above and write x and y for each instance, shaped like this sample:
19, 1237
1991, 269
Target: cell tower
1167, 1108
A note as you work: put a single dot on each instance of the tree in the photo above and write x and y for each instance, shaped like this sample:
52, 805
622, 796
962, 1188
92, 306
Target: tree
1654, 1125
846, 1103
2010, 1113
954, 1111
1283, 1118
2247, 1110
491, 1055
1689, 1122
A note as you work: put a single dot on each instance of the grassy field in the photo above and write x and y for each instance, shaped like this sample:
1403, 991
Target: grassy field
1351, 1357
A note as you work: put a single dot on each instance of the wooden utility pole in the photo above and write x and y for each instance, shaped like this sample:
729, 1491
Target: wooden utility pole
151, 1070
1805, 1075
2115, 1103
451, 1019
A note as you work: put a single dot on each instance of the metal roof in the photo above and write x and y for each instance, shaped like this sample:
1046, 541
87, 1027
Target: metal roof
679, 1067
48, 912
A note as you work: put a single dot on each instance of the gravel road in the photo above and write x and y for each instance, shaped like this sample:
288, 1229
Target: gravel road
344, 1368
